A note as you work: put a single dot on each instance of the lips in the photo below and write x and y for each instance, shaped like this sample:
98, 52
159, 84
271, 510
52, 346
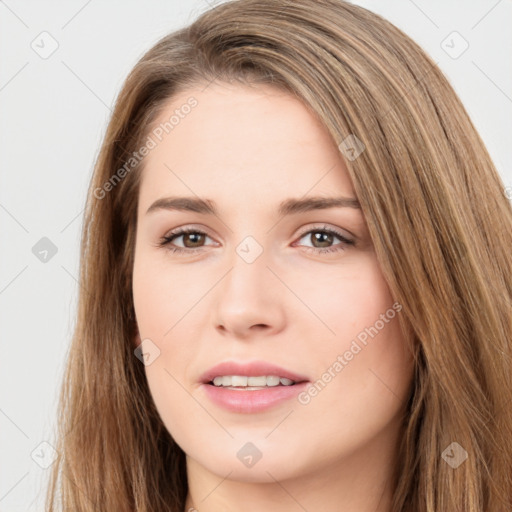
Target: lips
251, 399
250, 369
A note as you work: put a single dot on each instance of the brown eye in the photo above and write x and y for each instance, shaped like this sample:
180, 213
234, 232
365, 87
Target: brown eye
192, 240
322, 240
195, 238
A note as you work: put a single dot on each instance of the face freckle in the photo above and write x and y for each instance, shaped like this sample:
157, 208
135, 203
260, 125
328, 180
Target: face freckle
259, 289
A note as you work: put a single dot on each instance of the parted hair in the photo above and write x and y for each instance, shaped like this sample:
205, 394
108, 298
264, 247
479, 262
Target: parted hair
437, 214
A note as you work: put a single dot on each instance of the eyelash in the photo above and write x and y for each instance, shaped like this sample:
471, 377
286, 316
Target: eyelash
166, 240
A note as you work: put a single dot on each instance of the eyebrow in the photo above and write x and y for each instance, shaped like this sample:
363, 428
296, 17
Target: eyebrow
287, 207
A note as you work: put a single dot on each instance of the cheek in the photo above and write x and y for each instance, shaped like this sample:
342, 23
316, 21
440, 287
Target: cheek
163, 294
161, 299
363, 369
345, 299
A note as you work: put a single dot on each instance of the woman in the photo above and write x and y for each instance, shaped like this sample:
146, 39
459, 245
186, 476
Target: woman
296, 280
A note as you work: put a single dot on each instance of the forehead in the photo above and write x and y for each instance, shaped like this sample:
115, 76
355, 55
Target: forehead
240, 144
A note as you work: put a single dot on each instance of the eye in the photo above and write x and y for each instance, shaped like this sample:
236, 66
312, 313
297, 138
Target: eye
192, 240
323, 237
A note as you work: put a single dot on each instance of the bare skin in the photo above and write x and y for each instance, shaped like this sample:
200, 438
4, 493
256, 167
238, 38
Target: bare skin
249, 149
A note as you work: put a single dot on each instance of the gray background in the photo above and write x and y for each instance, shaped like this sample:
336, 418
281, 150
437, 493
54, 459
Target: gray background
54, 113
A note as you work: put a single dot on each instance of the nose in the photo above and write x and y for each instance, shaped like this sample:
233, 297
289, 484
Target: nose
249, 300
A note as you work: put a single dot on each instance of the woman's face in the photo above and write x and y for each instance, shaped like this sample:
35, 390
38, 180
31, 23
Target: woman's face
272, 286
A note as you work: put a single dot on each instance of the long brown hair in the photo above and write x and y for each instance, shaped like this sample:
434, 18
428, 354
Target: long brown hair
437, 213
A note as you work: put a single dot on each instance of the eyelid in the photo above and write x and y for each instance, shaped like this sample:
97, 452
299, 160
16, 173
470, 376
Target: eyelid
343, 233
184, 230
187, 228
318, 226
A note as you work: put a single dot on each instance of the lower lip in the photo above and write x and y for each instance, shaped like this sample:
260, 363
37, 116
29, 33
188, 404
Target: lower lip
247, 401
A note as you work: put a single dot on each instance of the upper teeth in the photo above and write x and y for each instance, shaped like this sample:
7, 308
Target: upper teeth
242, 380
